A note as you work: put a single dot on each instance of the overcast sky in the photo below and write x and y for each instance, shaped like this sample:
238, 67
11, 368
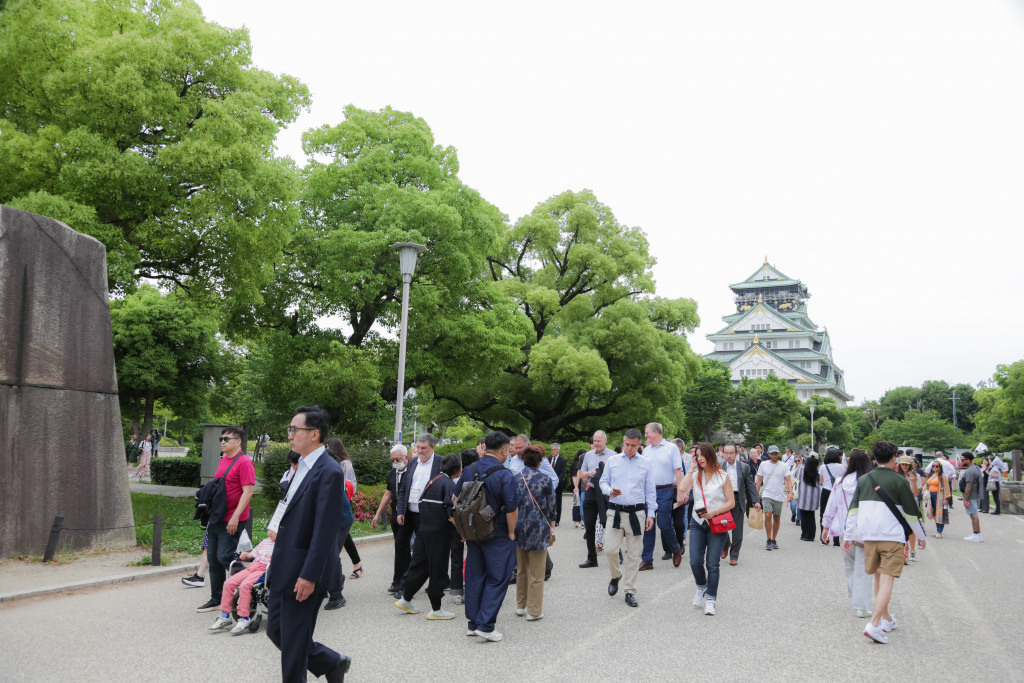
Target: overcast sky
874, 150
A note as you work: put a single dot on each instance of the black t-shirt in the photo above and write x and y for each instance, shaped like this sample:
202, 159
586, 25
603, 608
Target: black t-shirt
434, 515
392, 486
576, 463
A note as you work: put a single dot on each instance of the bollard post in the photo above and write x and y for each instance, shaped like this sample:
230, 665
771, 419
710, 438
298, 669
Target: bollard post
1016, 465
51, 545
158, 525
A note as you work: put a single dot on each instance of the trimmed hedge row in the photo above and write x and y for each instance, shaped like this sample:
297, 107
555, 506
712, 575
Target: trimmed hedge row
176, 471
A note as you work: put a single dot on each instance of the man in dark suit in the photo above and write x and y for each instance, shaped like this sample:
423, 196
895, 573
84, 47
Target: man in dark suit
305, 564
558, 464
742, 478
421, 470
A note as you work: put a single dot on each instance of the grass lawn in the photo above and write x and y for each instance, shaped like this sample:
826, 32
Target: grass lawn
181, 533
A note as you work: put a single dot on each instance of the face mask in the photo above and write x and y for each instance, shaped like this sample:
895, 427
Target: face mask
399, 466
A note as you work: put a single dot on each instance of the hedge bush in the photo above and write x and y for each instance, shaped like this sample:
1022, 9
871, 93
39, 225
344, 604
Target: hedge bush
371, 462
176, 471
275, 462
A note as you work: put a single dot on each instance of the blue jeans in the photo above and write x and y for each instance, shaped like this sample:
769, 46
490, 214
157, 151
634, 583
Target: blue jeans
665, 498
794, 510
705, 550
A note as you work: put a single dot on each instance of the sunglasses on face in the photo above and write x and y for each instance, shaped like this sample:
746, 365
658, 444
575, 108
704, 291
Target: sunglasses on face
228, 438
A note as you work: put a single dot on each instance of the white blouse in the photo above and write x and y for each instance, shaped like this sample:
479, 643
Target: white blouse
714, 492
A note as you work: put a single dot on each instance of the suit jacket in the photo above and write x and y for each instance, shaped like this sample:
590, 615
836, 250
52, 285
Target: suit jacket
746, 496
559, 466
307, 537
403, 491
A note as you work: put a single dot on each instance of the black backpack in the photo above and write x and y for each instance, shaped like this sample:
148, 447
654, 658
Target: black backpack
473, 516
212, 499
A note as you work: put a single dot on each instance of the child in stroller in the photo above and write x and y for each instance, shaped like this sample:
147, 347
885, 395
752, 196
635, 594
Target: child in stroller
247, 581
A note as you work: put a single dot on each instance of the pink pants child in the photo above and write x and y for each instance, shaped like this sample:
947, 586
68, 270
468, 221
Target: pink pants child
243, 581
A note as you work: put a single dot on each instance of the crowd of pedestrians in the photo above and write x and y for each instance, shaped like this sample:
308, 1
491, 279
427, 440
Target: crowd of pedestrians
474, 523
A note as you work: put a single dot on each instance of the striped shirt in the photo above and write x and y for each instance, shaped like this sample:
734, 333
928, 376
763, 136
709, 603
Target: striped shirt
809, 496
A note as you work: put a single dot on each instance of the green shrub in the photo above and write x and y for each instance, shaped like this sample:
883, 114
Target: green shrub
371, 462
274, 464
176, 471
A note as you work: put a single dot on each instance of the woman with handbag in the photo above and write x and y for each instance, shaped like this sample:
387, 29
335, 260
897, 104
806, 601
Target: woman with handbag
833, 521
535, 530
713, 499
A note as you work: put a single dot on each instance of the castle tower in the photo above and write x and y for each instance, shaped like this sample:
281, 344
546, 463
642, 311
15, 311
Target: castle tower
770, 333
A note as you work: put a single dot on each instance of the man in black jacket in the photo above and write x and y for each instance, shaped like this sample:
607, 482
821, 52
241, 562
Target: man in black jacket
559, 464
742, 479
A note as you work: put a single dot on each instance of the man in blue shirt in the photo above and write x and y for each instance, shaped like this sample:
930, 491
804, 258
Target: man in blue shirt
667, 468
489, 563
628, 481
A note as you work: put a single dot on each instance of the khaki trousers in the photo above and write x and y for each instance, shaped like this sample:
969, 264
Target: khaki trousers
613, 540
530, 568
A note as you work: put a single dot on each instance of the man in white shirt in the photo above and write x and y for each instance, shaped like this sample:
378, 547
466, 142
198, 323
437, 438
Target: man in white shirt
628, 482
774, 483
516, 464
667, 468
595, 458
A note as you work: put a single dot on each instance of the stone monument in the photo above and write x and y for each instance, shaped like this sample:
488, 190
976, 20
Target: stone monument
61, 446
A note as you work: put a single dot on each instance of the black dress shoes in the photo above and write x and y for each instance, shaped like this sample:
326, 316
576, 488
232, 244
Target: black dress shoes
631, 600
613, 587
588, 564
338, 675
336, 603
667, 556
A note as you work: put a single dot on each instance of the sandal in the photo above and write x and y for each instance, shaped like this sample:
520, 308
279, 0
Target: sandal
356, 573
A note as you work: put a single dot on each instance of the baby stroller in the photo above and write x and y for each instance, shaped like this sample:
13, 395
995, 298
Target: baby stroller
260, 595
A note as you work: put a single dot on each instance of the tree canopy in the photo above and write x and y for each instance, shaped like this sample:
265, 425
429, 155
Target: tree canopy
761, 407
166, 349
707, 400
147, 127
598, 350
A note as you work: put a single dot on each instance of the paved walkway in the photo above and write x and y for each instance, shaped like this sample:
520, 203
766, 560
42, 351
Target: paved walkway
782, 616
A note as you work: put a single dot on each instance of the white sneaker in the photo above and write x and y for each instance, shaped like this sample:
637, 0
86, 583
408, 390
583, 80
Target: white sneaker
493, 636
458, 599
913, 556
709, 607
875, 633
470, 632
889, 626
531, 617
406, 606
439, 614
698, 599
974, 538
241, 627
221, 623
520, 612
863, 613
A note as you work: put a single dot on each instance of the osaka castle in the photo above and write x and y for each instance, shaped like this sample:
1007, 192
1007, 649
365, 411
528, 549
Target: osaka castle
771, 333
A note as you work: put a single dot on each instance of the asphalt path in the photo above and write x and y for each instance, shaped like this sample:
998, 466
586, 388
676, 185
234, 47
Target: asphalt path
782, 616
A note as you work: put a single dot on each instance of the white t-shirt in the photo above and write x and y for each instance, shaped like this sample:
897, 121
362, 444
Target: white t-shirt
714, 493
773, 479
837, 471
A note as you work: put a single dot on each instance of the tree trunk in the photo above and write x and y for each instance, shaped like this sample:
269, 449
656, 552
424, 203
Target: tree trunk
147, 423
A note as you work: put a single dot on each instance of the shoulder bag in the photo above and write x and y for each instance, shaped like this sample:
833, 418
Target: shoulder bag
908, 532
526, 485
719, 523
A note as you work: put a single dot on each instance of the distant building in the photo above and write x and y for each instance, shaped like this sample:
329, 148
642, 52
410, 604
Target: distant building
770, 333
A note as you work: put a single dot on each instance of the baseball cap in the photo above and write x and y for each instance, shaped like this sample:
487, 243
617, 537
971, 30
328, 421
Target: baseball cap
773, 449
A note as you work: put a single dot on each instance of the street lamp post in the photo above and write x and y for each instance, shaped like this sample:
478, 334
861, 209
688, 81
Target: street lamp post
407, 255
811, 406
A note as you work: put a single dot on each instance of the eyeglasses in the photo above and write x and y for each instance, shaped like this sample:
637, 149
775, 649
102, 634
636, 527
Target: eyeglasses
228, 438
292, 430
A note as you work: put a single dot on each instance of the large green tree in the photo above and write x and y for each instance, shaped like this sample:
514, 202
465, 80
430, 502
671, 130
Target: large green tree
375, 179
896, 402
1000, 416
938, 396
707, 400
830, 424
761, 407
166, 349
147, 127
599, 350
922, 430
